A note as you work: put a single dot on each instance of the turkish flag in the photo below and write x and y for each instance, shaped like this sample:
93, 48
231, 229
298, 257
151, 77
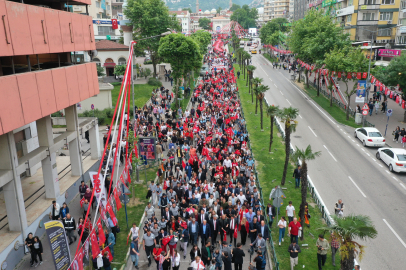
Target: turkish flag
183, 164
77, 263
99, 225
95, 244
358, 75
114, 24
172, 95
116, 197
339, 74
108, 250
111, 213
82, 202
403, 104
349, 75
225, 236
235, 232
364, 75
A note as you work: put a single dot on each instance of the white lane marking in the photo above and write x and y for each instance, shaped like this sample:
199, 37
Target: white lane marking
300, 116
358, 145
357, 187
330, 153
352, 140
380, 165
341, 129
368, 154
397, 236
281, 93
275, 85
403, 186
388, 172
363, 149
374, 159
349, 136
312, 131
396, 179
288, 102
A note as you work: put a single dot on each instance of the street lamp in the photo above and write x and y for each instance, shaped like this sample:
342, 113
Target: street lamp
370, 57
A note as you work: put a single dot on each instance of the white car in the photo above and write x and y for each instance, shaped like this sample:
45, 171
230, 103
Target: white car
395, 158
370, 136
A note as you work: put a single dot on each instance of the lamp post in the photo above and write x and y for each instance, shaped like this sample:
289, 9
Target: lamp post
369, 65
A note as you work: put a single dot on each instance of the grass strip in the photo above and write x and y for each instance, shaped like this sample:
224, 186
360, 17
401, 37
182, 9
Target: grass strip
270, 170
142, 93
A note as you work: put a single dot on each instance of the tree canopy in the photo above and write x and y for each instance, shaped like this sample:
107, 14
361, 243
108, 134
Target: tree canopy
188, 9
203, 38
150, 18
394, 73
245, 16
204, 23
234, 7
273, 26
315, 35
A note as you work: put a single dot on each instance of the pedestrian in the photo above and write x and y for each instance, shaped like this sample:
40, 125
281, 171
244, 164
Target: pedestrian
371, 107
294, 227
37, 251
156, 253
282, 228
134, 231
185, 239
153, 187
148, 243
82, 189
260, 243
238, 74
322, 248
226, 258
403, 140
290, 211
106, 261
296, 175
396, 133
134, 252
238, 255
244, 228
29, 242
111, 241
175, 260
335, 245
260, 261
55, 214
70, 227
195, 253
294, 250
358, 109
207, 253
212, 265
63, 211
197, 264
377, 104
339, 208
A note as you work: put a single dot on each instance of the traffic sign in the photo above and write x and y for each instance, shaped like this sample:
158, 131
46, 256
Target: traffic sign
365, 107
389, 112
92, 106
365, 112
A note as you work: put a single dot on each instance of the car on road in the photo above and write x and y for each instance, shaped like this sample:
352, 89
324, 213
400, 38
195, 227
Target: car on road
395, 158
203, 70
370, 136
249, 43
254, 51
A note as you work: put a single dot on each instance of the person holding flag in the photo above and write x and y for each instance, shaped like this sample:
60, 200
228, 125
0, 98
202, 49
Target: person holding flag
197, 264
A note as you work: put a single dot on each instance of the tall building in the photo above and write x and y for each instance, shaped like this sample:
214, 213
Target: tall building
268, 10
281, 8
300, 8
40, 75
183, 17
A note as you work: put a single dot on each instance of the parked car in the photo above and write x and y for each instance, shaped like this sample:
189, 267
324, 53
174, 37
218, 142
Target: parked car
370, 136
395, 158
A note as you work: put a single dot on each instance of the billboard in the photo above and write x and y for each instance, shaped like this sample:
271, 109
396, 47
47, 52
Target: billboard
361, 91
327, 3
58, 243
146, 148
389, 53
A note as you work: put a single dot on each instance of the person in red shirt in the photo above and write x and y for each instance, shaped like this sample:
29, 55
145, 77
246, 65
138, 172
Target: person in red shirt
294, 227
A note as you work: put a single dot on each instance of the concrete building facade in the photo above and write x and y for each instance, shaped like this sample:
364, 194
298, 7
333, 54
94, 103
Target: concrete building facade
39, 75
183, 17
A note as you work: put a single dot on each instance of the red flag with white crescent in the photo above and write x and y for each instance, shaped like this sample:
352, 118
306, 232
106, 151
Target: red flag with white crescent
109, 253
114, 24
111, 213
102, 238
116, 197
95, 244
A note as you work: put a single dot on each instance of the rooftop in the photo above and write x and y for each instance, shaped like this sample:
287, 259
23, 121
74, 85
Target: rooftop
110, 45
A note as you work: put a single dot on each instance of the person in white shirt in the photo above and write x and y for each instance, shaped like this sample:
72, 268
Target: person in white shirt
197, 264
241, 197
134, 231
228, 164
282, 227
290, 211
175, 260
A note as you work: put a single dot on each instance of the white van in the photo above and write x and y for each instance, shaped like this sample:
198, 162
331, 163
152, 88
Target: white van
242, 44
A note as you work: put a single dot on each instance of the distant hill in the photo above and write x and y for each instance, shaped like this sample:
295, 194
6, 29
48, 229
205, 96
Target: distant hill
207, 4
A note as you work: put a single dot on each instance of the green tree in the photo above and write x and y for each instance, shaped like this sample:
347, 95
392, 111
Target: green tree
234, 7
204, 23
119, 70
150, 18
188, 9
268, 30
274, 39
245, 16
282, 22
304, 156
203, 38
288, 116
314, 36
183, 53
348, 60
260, 94
147, 72
218, 10
347, 230
100, 71
272, 112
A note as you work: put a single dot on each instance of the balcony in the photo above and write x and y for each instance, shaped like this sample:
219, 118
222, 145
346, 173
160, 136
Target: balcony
373, 22
29, 29
369, 7
30, 96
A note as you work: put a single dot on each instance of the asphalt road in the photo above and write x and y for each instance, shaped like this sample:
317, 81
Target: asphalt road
346, 170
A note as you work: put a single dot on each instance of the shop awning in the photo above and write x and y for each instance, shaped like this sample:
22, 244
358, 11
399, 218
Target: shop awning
109, 64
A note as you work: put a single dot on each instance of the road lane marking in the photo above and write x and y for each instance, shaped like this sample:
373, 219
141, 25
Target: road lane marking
403, 186
374, 159
357, 187
288, 102
368, 154
396, 179
312, 131
388, 172
358, 145
330, 153
349, 136
352, 140
275, 85
281, 93
300, 116
363, 149
397, 236
380, 165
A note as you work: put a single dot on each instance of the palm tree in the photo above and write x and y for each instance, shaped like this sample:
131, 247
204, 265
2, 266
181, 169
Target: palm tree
256, 81
304, 156
250, 69
288, 116
245, 56
260, 94
272, 112
239, 55
346, 230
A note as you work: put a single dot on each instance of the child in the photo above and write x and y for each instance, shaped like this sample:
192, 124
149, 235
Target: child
404, 140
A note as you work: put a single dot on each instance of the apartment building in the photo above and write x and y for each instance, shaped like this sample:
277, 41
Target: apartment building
300, 8
183, 17
39, 75
281, 8
268, 10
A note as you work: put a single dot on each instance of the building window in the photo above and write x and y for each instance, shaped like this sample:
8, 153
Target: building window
97, 61
98, 16
349, 17
97, 4
122, 61
384, 32
370, 2
368, 16
105, 30
386, 16
388, 2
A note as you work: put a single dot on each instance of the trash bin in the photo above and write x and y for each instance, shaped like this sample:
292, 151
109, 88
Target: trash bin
358, 118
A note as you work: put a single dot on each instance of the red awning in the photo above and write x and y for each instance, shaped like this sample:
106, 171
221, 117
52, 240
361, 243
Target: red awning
109, 64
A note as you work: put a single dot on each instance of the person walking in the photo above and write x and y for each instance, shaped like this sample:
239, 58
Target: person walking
294, 228
37, 250
106, 261
238, 256
282, 228
244, 228
185, 239
377, 104
339, 208
335, 245
70, 227
148, 243
175, 260
290, 211
29, 242
296, 175
207, 253
134, 252
226, 258
322, 248
294, 250
259, 243
55, 215
396, 133
197, 264
111, 241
